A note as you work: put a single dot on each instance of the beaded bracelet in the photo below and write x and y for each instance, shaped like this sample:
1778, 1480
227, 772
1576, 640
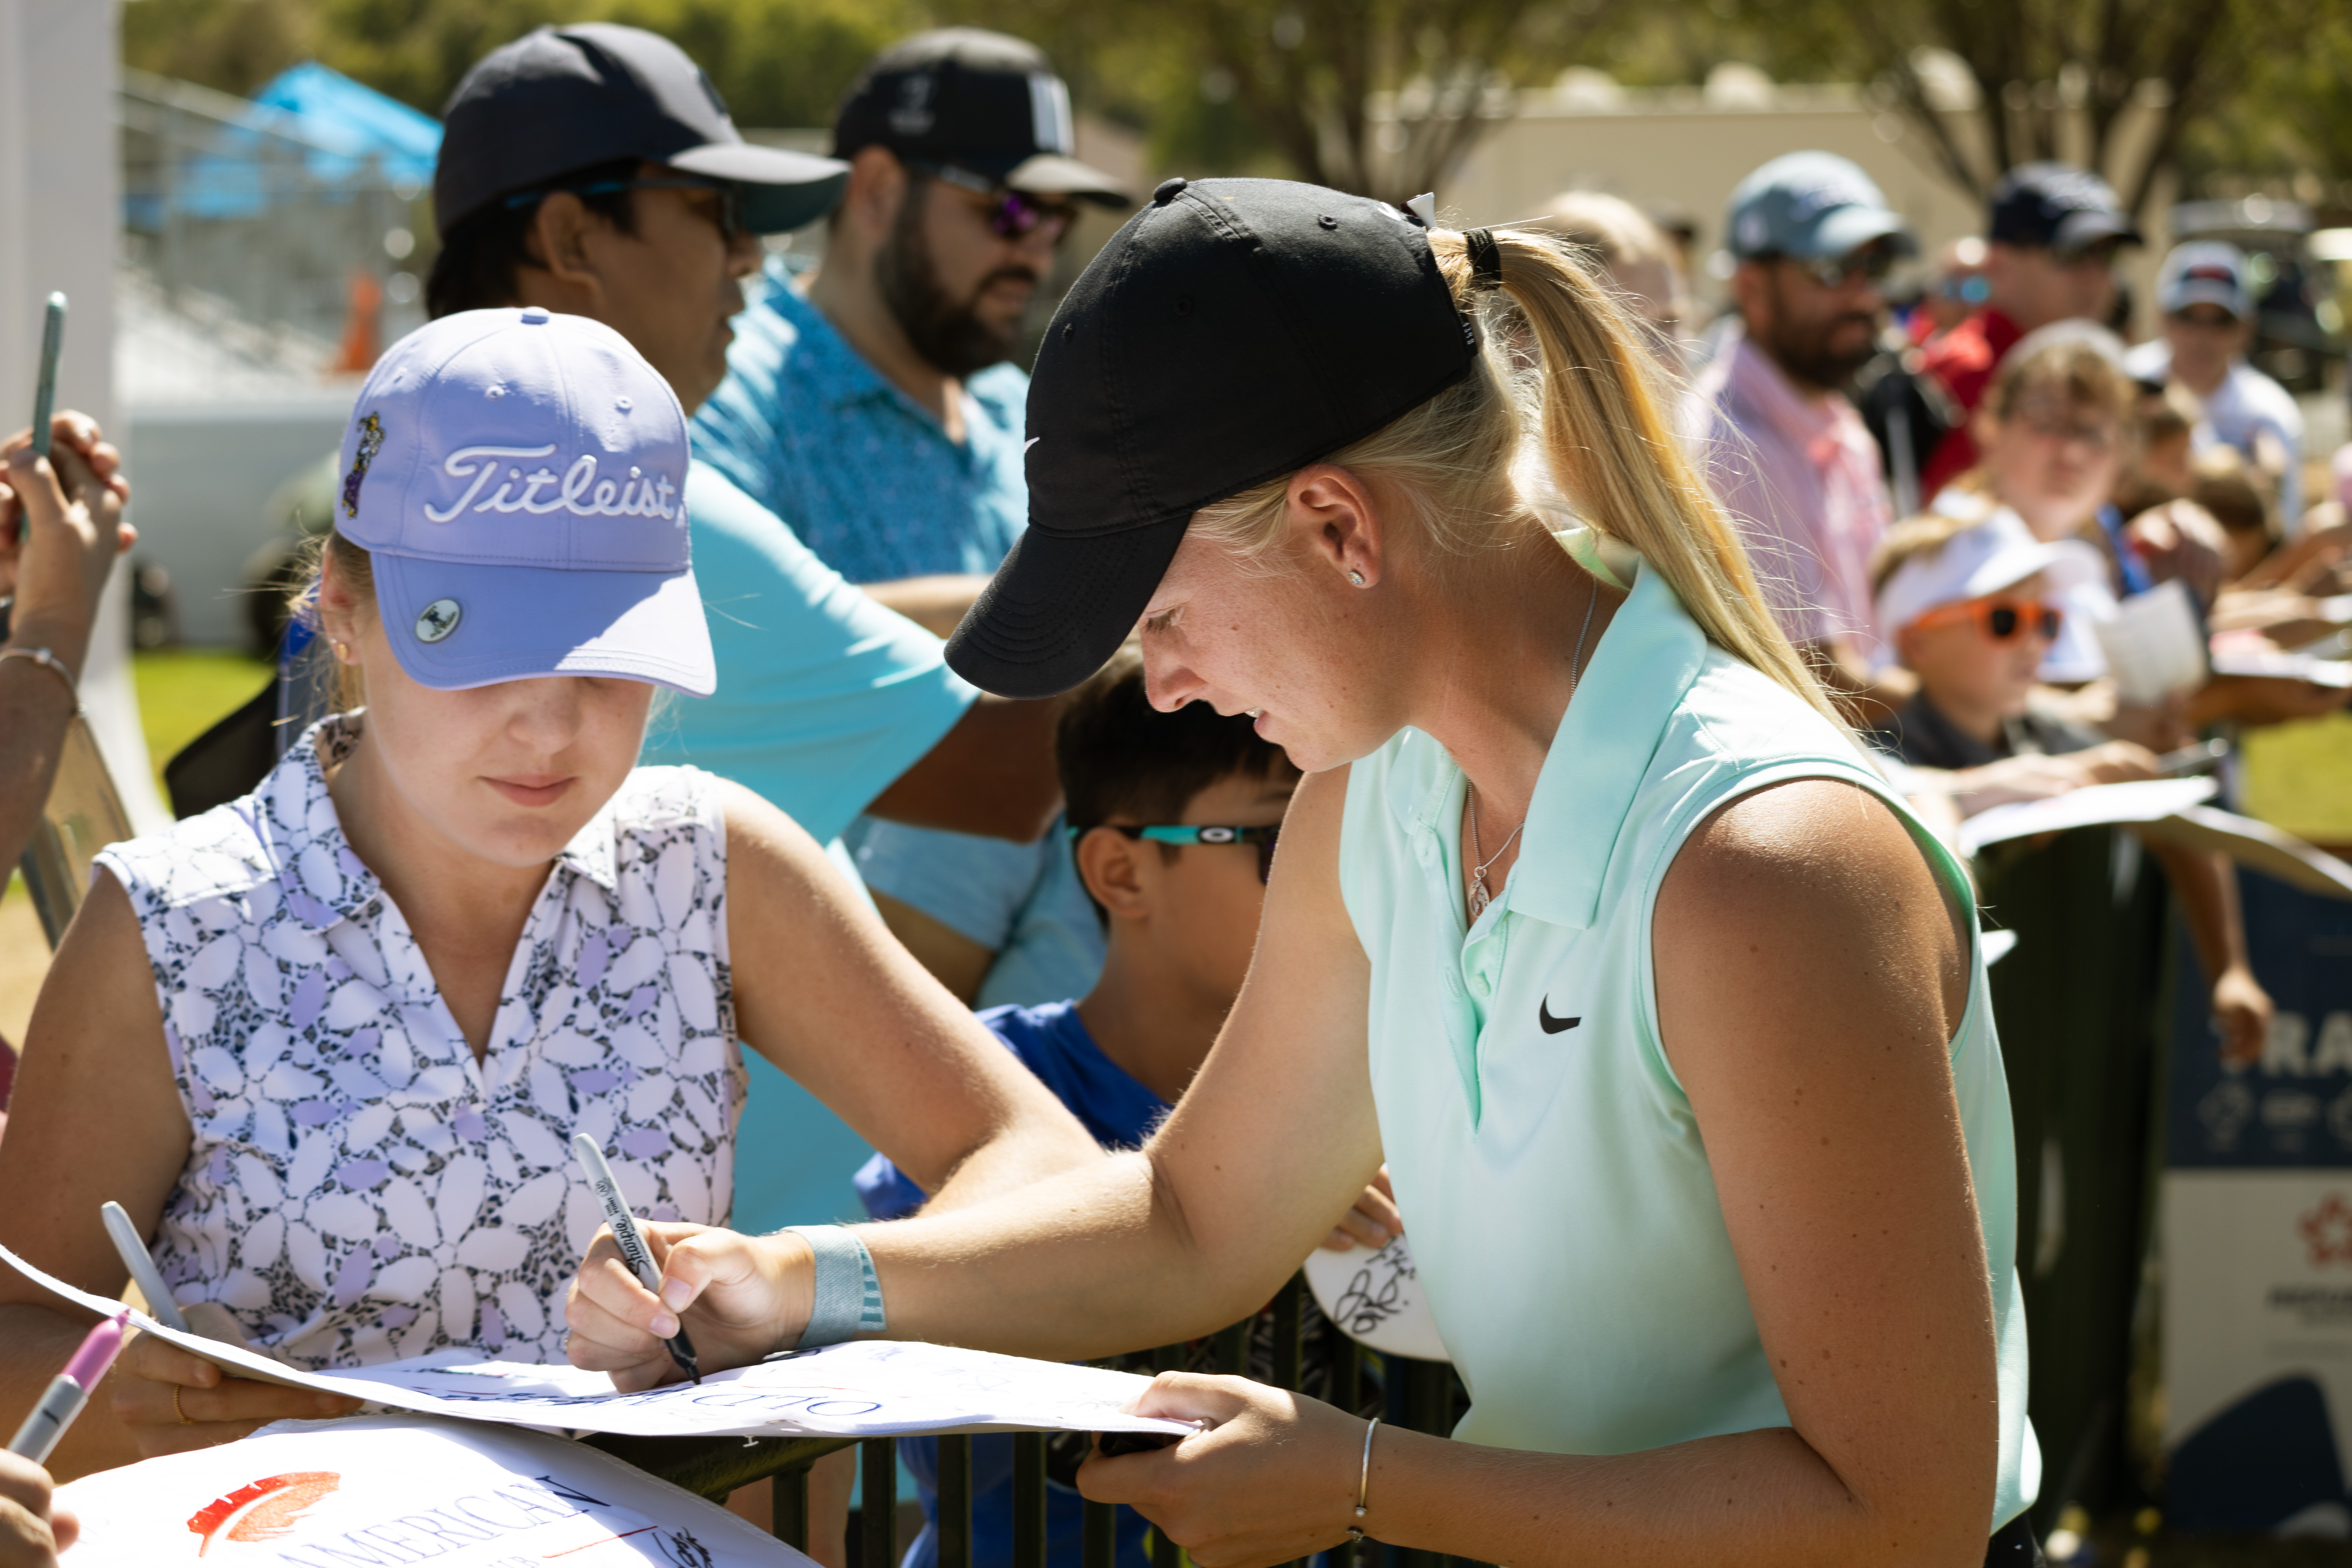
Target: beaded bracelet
49, 661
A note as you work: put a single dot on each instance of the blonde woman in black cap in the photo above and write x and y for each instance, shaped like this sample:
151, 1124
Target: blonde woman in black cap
1670, 1020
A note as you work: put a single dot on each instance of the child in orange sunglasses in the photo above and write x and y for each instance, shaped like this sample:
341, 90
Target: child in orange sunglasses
1972, 611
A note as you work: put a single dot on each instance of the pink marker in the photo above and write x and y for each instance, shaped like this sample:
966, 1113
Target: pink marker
70, 1390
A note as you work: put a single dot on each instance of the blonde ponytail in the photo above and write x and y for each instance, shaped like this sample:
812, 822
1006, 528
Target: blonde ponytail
1600, 403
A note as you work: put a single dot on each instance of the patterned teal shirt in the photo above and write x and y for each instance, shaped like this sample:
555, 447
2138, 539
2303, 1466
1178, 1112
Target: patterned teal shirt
865, 476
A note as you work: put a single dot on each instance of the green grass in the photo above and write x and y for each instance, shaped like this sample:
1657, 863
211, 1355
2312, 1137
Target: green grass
183, 692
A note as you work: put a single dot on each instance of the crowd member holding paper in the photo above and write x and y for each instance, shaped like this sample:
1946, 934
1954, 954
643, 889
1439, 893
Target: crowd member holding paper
327, 1045
1974, 610
1671, 1023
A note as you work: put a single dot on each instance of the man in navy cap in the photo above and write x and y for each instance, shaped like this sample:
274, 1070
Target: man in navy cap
2050, 256
2209, 319
1791, 457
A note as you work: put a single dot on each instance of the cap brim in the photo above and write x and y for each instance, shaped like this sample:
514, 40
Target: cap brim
1058, 607
783, 190
2201, 293
2086, 228
2062, 564
522, 623
1848, 230
1049, 173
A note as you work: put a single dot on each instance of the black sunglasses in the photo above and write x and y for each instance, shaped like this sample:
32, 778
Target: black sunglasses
729, 218
1263, 838
1010, 213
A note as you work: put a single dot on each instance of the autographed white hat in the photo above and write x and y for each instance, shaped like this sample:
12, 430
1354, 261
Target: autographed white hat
519, 478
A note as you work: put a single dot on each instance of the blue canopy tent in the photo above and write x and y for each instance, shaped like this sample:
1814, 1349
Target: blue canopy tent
311, 132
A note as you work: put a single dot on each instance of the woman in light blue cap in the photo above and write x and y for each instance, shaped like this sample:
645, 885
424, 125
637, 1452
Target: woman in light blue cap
328, 1044
1670, 1020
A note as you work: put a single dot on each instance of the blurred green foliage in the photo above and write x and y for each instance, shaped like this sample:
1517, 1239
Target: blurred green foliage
1204, 80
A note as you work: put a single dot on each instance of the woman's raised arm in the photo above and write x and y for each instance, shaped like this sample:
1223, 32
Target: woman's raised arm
1275, 1136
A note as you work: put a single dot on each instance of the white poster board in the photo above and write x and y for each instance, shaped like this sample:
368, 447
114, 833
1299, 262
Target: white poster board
404, 1488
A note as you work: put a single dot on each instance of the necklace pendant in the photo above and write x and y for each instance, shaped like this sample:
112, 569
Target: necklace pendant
1479, 899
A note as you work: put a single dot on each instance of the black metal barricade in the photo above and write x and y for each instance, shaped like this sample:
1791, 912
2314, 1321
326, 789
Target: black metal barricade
1304, 1350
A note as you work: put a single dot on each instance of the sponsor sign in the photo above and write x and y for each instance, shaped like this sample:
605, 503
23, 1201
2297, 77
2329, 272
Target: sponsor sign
2257, 1236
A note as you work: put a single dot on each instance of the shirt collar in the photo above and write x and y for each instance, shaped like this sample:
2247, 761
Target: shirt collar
822, 357
1647, 660
1758, 380
322, 881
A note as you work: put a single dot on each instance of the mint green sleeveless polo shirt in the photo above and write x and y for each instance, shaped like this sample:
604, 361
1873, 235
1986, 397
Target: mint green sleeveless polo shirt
1550, 1173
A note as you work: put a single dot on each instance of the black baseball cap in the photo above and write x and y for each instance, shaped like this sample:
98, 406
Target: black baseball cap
1232, 332
981, 102
2057, 207
561, 98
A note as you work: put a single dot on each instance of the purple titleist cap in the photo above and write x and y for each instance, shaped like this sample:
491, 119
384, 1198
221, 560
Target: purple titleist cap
518, 479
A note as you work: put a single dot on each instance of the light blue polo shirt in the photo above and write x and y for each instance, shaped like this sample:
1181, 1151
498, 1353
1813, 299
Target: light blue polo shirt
865, 473
824, 698
1548, 1166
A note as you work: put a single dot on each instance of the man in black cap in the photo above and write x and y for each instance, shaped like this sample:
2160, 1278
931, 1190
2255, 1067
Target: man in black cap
592, 170
870, 405
2051, 236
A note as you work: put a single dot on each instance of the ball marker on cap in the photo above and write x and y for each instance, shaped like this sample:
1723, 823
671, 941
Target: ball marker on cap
438, 619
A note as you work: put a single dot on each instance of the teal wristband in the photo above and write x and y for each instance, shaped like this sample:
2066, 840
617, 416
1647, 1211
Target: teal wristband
848, 1291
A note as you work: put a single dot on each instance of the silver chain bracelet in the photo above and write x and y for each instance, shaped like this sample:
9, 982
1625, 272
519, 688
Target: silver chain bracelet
1363, 1483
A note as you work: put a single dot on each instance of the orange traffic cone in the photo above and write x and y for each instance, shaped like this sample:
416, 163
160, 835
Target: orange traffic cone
362, 325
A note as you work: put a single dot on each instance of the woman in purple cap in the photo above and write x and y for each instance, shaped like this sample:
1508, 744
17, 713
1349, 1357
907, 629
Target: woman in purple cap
328, 1044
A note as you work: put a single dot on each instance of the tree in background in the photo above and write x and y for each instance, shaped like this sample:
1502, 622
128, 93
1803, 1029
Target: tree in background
777, 62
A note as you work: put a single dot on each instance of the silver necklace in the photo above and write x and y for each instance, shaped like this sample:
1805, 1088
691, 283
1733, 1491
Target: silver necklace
1479, 897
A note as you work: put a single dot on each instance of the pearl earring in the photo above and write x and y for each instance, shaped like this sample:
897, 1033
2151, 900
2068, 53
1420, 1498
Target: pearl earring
342, 653
1356, 578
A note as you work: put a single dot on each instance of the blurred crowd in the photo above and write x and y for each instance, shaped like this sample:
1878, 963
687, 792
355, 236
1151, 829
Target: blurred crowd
2006, 538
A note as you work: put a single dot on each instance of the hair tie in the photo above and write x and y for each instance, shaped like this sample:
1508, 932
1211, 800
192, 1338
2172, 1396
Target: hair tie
1486, 259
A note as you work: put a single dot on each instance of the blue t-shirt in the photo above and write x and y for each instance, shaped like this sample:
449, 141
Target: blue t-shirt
866, 474
824, 698
1120, 1112
1021, 901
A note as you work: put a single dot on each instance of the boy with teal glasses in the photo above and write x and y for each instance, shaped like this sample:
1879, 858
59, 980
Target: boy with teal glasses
1174, 818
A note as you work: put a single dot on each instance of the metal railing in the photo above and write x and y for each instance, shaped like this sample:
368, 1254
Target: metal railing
225, 201
1419, 1395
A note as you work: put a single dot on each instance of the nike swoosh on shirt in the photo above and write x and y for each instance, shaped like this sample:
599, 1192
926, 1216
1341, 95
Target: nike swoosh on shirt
1029, 443
1550, 1024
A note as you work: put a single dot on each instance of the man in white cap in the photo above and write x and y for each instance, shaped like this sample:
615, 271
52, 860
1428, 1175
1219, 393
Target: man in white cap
2209, 319
1791, 457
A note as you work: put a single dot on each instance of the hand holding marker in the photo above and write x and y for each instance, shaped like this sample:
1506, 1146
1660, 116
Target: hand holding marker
70, 1390
631, 1240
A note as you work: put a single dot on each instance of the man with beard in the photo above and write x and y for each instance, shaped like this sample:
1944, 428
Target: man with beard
1788, 454
868, 403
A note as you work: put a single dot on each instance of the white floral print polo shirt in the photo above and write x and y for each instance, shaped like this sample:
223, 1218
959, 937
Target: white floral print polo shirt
358, 1188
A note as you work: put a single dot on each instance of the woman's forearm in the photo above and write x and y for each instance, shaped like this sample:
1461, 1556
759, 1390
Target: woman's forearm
2203, 883
1093, 1262
1760, 1499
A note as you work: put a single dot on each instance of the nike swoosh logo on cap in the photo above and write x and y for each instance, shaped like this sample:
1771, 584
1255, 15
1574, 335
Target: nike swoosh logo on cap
1029, 443
1550, 1024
